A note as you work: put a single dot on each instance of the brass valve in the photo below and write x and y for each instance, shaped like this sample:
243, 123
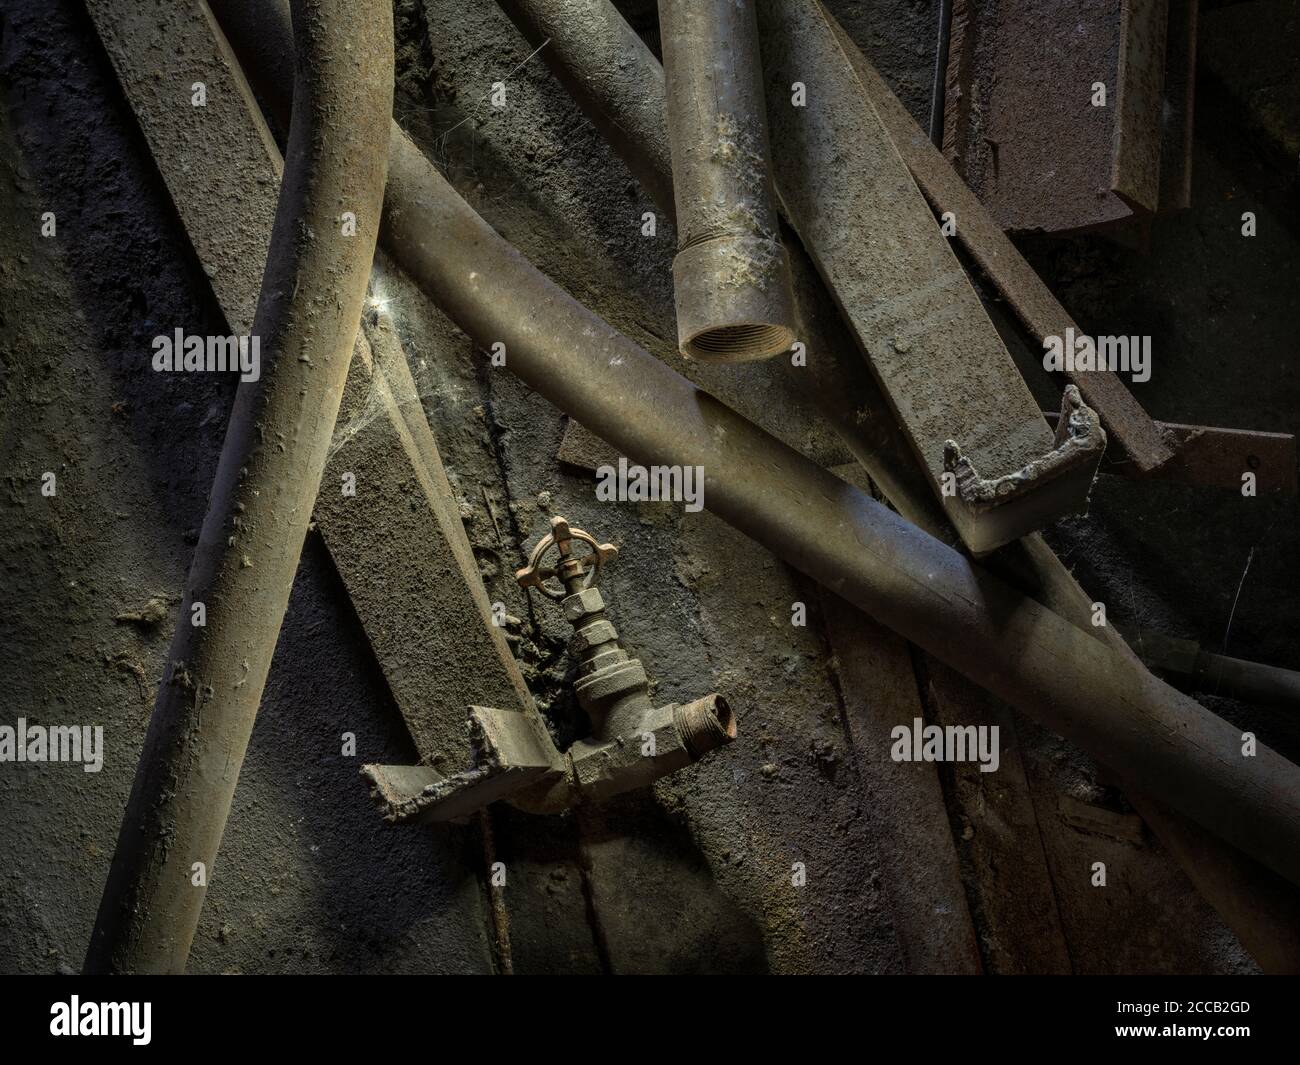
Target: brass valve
632, 743
612, 687
571, 566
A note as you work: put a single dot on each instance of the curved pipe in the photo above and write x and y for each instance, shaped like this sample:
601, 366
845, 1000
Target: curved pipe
926, 591
266, 484
1089, 691
617, 82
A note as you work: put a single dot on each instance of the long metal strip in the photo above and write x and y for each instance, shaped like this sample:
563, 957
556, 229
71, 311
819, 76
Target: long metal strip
1126, 423
950, 380
416, 604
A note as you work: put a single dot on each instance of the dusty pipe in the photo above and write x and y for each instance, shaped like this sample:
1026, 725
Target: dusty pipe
731, 279
266, 483
916, 585
623, 99
1088, 692
617, 82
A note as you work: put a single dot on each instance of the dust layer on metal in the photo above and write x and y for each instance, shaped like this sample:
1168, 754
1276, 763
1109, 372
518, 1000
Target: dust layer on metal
612, 76
270, 468
421, 602
878, 684
836, 381
1126, 423
1135, 168
198, 148
398, 544
928, 592
421, 194
938, 358
1025, 134
619, 85
731, 279
632, 742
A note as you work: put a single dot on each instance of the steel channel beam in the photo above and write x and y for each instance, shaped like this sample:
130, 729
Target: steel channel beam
618, 83
612, 74
269, 472
399, 545
949, 379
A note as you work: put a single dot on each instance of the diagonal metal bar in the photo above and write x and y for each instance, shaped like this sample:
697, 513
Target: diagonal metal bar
270, 470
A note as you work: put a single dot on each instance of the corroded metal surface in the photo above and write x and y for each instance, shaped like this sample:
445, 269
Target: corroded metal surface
929, 593
1135, 169
1024, 132
420, 203
1212, 457
731, 276
632, 742
613, 77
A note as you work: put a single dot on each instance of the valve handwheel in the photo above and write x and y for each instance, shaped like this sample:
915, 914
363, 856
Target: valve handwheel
574, 571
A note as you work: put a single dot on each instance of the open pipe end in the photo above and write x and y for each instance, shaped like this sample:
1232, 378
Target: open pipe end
740, 343
733, 298
705, 724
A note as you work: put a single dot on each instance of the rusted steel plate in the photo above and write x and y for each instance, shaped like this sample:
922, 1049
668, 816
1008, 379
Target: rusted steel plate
1026, 135
907, 299
1211, 457
1179, 100
1126, 423
1135, 174
1221, 458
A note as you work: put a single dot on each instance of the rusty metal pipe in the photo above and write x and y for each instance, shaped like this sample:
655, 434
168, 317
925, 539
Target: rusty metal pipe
731, 278
1055, 672
617, 82
266, 483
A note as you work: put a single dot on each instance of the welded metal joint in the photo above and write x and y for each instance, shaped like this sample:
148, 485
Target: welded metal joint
731, 277
1076, 449
632, 742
